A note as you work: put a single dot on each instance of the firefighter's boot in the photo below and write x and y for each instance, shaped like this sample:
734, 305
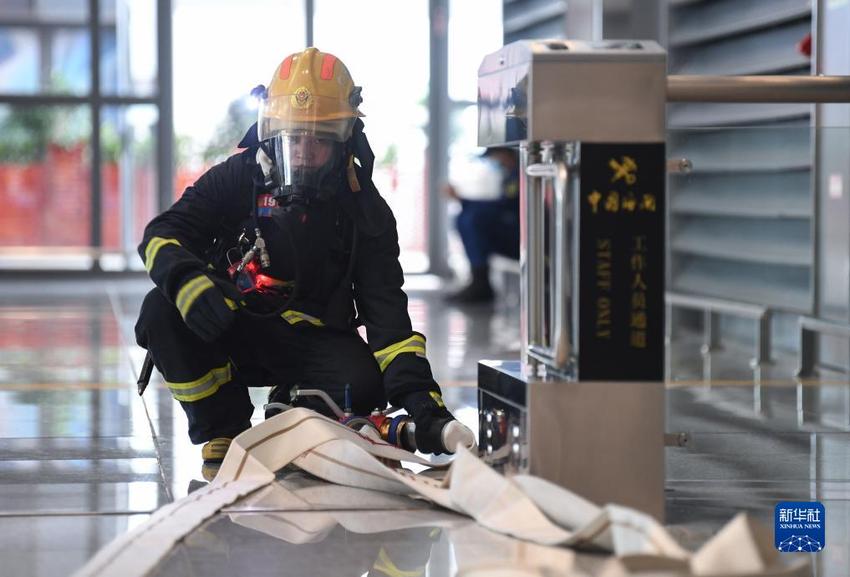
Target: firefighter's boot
479, 289
215, 450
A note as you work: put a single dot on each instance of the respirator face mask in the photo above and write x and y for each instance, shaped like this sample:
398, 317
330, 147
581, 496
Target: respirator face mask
304, 167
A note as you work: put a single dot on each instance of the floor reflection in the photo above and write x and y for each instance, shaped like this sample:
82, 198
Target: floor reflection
82, 457
406, 543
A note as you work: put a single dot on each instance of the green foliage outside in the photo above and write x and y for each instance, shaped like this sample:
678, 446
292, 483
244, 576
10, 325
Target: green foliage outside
229, 132
29, 130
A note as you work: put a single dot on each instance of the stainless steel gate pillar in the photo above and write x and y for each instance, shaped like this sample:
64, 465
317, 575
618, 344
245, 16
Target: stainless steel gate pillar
584, 406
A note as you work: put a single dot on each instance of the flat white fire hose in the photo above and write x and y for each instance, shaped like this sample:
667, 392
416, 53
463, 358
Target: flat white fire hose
524, 507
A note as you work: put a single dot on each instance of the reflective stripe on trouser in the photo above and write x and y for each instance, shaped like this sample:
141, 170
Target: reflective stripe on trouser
284, 355
414, 344
293, 317
183, 358
153, 247
201, 388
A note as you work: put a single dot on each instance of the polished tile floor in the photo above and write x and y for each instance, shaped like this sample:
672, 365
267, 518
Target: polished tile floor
83, 458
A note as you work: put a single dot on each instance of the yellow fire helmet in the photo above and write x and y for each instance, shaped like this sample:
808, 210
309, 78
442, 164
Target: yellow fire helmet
311, 93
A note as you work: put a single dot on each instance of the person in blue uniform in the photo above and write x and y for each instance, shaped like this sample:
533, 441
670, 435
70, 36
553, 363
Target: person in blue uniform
488, 227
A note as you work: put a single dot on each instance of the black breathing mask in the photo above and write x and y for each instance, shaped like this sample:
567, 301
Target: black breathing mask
303, 168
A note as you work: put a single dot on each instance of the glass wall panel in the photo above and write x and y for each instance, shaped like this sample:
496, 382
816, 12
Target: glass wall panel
44, 58
69, 65
128, 51
45, 184
475, 29
19, 60
391, 63
128, 173
216, 66
45, 150
46, 10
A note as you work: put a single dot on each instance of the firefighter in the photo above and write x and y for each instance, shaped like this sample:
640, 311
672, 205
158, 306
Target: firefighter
268, 263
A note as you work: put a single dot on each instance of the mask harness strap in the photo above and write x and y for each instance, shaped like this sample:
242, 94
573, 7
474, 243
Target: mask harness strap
358, 147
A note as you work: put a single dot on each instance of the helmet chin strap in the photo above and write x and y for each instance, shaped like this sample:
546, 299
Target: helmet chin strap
266, 164
351, 174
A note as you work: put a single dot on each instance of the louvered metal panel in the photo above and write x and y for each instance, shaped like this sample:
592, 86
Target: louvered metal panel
708, 21
741, 222
776, 195
744, 149
783, 288
694, 115
533, 19
769, 51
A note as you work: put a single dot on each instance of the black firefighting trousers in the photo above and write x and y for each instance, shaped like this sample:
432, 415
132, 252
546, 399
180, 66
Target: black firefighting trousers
210, 379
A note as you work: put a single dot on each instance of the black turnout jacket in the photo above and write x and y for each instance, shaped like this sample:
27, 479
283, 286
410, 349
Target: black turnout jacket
343, 253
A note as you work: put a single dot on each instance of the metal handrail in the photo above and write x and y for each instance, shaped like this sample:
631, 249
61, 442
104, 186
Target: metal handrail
758, 88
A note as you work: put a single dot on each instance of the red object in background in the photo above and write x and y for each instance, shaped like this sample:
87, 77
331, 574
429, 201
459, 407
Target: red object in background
804, 46
111, 203
48, 203
184, 178
21, 193
66, 204
143, 200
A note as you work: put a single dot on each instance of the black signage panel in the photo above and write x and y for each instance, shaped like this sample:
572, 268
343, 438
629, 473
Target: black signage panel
621, 262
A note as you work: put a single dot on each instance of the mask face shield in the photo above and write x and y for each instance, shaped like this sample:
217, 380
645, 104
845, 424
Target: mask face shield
307, 165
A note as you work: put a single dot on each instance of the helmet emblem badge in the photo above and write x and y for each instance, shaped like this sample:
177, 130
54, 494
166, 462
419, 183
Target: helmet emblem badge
302, 98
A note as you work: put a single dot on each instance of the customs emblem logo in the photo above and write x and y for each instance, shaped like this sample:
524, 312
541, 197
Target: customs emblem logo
302, 98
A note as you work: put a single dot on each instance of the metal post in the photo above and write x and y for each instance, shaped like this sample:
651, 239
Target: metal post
531, 255
563, 295
45, 64
309, 8
165, 102
763, 340
127, 167
711, 331
438, 137
584, 20
96, 236
647, 21
831, 173
126, 157
816, 228
808, 352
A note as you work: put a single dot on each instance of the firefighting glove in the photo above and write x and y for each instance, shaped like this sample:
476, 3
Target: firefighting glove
437, 431
205, 308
